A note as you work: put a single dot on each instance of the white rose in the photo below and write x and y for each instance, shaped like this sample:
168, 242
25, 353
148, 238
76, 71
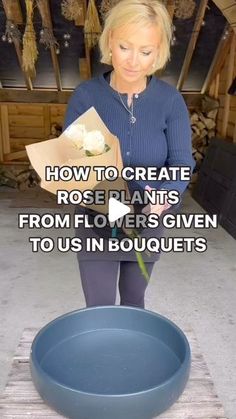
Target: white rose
76, 133
94, 142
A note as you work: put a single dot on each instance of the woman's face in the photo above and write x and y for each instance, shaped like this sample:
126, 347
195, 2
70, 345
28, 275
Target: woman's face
134, 50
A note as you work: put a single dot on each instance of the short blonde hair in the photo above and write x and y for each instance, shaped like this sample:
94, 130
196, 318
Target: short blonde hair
138, 12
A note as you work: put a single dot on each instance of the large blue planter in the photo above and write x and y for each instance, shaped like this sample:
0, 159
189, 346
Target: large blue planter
110, 362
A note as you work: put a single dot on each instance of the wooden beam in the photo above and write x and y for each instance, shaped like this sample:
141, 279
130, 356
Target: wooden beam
47, 121
212, 89
13, 12
81, 18
5, 129
192, 43
83, 69
39, 97
15, 163
234, 136
217, 84
87, 59
228, 9
171, 8
230, 75
35, 96
43, 6
1, 138
84, 63
16, 155
218, 60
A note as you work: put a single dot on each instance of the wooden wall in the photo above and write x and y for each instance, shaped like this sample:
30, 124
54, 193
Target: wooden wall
226, 119
23, 124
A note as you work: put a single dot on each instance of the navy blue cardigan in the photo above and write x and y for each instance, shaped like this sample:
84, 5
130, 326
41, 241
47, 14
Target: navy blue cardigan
161, 135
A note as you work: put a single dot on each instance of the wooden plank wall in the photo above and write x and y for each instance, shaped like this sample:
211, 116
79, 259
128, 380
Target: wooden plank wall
23, 124
226, 120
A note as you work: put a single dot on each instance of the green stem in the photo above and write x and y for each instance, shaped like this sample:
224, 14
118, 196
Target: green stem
139, 257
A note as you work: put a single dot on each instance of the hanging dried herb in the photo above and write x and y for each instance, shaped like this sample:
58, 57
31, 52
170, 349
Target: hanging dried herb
184, 9
47, 38
71, 9
92, 26
30, 51
12, 32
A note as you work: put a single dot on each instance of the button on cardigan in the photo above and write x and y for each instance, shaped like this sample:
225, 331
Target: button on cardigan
161, 135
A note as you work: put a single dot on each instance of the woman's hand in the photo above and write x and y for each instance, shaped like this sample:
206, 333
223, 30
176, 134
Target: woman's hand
154, 208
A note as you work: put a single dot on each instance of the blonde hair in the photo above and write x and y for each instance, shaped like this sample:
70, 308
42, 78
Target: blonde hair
138, 12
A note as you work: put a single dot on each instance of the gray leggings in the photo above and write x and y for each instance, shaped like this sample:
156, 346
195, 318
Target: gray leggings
99, 281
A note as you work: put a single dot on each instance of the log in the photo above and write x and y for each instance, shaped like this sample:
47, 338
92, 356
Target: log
210, 123
194, 117
18, 177
195, 129
212, 114
203, 134
201, 125
198, 156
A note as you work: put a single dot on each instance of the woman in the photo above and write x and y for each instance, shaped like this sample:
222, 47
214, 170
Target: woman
151, 121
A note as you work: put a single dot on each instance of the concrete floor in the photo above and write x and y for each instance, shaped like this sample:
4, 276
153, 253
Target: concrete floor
194, 290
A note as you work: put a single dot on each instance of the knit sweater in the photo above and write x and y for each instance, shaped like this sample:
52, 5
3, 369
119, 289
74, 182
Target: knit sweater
161, 135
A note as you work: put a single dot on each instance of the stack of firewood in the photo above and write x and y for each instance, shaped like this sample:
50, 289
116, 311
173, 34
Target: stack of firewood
203, 125
17, 177
23, 177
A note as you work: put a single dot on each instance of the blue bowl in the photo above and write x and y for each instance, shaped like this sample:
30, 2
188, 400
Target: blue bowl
110, 362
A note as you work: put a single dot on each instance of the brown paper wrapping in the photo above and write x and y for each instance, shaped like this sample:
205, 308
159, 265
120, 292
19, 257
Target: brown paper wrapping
61, 151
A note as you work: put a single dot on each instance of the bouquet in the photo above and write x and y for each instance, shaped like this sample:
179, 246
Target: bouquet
92, 142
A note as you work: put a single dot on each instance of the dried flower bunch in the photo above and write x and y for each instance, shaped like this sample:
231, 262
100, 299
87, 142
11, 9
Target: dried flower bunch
30, 51
47, 38
105, 6
71, 9
184, 9
12, 32
92, 26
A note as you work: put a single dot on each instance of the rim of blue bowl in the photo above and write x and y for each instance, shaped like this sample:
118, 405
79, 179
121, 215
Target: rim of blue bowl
187, 358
